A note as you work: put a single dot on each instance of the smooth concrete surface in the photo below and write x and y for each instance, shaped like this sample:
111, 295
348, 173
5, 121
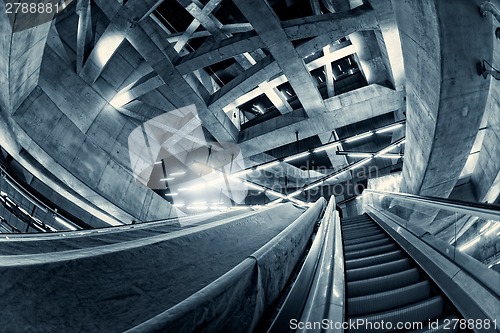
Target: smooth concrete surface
114, 287
442, 41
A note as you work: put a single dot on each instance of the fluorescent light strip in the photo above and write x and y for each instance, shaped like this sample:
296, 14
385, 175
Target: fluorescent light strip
179, 205
359, 137
268, 165
254, 186
358, 164
389, 129
493, 229
293, 194
171, 194
158, 162
328, 146
180, 173
469, 244
295, 157
242, 172
167, 179
395, 157
359, 154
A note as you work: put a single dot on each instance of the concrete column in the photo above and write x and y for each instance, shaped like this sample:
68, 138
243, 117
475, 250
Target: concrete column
442, 41
23, 40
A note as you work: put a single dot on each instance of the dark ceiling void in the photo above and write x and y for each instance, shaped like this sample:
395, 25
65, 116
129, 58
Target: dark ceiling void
228, 13
290, 9
175, 17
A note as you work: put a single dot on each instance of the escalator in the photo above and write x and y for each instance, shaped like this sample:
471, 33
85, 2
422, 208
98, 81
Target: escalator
385, 288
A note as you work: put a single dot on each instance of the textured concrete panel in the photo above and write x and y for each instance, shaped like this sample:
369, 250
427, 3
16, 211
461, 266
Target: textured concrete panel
445, 96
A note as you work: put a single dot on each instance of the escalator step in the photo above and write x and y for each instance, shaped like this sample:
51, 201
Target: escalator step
389, 299
418, 312
359, 228
355, 218
377, 270
357, 223
373, 260
382, 283
440, 328
364, 233
364, 239
370, 252
368, 245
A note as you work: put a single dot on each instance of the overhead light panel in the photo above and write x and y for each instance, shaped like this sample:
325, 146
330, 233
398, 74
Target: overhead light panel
180, 173
173, 194
167, 179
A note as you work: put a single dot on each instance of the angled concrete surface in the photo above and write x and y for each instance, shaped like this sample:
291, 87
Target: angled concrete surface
442, 41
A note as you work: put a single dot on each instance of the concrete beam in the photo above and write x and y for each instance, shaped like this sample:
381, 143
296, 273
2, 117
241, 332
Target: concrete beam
113, 36
268, 26
181, 94
444, 111
343, 24
219, 51
345, 109
84, 34
20, 59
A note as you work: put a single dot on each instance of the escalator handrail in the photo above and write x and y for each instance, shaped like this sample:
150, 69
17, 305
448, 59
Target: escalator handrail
487, 211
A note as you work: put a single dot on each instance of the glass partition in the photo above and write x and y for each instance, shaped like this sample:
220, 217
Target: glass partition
471, 229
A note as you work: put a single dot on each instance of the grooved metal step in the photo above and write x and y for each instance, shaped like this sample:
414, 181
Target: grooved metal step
382, 283
370, 252
390, 299
356, 235
418, 312
373, 260
364, 239
367, 272
367, 245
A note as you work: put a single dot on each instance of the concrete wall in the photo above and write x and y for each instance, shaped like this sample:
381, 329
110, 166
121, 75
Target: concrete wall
442, 41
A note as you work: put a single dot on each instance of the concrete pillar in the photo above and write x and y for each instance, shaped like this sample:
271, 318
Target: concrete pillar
442, 41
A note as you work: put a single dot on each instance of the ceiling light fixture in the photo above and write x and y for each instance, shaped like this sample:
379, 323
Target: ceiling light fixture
173, 194
328, 146
389, 129
267, 165
295, 157
180, 173
359, 137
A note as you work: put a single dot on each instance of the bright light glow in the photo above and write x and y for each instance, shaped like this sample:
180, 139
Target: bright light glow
173, 194
178, 205
312, 186
493, 229
363, 162
199, 203
389, 129
158, 162
254, 186
198, 207
395, 157
121, 99
359, 137
177, 173
277, 194
329, 146
295, 157
268, 165
3, 193
293, 194
107, 46
167, 179
242, 172
485, 226
469, 244
359, 154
